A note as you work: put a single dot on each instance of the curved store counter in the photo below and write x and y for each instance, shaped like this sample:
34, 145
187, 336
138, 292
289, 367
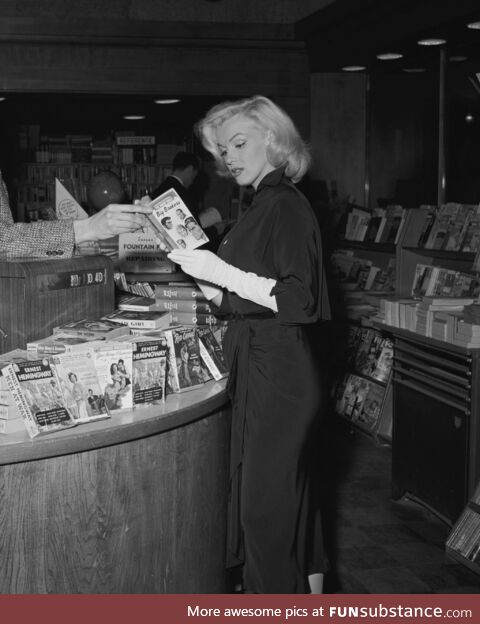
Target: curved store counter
132, 504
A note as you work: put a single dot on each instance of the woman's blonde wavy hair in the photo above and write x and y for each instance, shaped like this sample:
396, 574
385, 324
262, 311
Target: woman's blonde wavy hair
286, 147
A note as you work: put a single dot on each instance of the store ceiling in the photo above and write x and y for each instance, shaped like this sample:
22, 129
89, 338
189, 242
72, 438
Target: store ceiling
353, 32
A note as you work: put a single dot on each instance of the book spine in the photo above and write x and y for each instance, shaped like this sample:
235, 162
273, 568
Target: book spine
185, 305
187, 318
205, 355
17, 395
42, 349
177, 292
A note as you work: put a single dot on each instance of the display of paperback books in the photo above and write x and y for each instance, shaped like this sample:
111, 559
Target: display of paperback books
435, 281
149, 366
211, 353
113, 365
186, 369
159, 319
93, 329
80, 386
35, 388
359, 393
174, 223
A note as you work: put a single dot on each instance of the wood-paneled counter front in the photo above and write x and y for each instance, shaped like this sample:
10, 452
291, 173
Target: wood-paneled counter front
132, 504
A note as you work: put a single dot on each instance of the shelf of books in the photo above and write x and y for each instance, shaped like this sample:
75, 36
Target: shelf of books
140, 161
438, 284
463, 543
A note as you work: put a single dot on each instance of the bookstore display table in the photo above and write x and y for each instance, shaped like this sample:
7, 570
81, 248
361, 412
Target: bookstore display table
132, 504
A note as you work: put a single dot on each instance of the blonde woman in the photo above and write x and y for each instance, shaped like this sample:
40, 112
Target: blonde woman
268, 280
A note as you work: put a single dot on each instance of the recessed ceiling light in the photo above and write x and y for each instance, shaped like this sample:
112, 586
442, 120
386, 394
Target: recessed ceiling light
431, 42
167, 101
389, 56
353, 68
134, 117
469, 118
2, 99
474, 25
457, 59
414, 70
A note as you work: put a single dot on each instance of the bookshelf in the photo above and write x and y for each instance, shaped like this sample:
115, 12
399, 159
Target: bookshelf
362, 271
141, 162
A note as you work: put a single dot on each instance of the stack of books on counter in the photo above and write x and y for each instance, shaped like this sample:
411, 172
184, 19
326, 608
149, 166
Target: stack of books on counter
186, 303
432, 312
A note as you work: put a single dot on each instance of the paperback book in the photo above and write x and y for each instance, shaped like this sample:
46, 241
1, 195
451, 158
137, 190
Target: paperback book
186, 369
92, 329
368, 411
149, 366
113, 365
211, 353
136, 303
158, 319
174, 223
81, 390
35, 388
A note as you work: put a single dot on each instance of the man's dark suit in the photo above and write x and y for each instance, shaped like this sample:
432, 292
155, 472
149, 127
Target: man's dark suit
172, 182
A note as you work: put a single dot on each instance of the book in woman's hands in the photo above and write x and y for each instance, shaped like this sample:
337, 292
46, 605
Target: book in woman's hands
173, 222
35, 388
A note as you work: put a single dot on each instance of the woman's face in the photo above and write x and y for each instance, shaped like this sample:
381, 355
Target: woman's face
243, 147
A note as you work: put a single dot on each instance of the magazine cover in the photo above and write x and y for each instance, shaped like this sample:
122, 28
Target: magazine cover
186, 368
35, 388
113, 364
384, 361
80, 386
149, 363
367, 416
174, 223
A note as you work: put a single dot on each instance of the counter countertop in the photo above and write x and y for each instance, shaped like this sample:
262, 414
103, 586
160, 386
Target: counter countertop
177, 410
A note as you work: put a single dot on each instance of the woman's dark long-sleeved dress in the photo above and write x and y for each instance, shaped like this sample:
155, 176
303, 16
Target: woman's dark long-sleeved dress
275, 525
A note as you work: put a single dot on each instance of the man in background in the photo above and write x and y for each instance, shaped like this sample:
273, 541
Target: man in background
185, 168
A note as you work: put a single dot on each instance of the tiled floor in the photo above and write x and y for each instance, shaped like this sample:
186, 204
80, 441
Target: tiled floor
377, 545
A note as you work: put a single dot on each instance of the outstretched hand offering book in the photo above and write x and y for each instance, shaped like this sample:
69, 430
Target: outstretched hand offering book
174, 224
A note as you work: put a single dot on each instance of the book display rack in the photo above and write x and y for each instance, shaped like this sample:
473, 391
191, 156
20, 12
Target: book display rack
361, 393
463, 543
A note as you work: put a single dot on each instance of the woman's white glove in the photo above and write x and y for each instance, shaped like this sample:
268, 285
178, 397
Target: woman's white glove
205, 265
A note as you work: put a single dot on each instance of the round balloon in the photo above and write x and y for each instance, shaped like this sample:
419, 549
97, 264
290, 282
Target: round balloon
105, 188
